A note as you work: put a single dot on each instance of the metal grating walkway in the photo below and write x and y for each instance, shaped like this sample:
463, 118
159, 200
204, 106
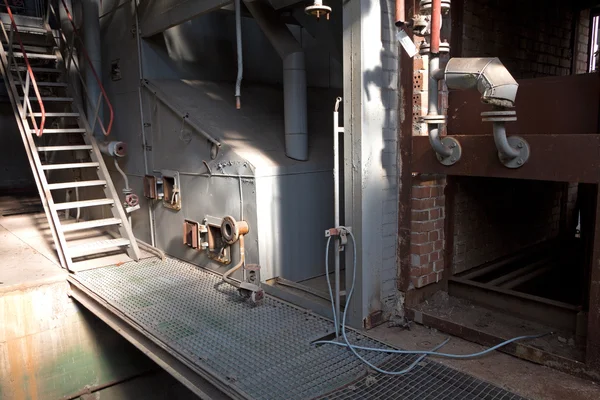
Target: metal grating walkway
262, 352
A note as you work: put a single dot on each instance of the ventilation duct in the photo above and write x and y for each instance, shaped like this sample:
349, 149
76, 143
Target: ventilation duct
294, 77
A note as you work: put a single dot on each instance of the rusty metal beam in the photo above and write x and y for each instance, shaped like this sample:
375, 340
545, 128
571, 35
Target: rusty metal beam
553, 313
562, 158
558, 105
517, 349
405, 131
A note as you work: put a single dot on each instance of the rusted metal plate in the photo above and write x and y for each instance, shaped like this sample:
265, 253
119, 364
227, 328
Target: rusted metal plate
562, 158
554, 105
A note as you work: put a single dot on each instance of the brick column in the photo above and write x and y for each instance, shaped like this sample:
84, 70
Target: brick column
427, 230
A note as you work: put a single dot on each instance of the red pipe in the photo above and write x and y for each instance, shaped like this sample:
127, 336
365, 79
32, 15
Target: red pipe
436, 25
400, 13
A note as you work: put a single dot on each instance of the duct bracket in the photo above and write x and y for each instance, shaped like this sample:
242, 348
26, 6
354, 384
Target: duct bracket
447, 150
513, 151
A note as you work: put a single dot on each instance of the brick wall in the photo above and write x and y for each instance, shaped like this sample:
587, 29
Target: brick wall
427, 230
495, 217
583, 41
532, 38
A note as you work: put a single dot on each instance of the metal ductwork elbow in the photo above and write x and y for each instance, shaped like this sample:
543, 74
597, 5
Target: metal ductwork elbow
294, 77
488, 75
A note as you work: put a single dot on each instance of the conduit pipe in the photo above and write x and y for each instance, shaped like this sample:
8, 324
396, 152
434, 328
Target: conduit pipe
240, 60
91, 41
498, 88
447, 150
400, 13
294, 77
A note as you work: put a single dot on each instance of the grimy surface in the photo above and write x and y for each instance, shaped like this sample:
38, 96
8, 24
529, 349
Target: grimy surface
264, 351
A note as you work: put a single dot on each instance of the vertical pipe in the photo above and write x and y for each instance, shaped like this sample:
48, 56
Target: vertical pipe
336, 209
436, 25
400, 13
91, 39
240, 60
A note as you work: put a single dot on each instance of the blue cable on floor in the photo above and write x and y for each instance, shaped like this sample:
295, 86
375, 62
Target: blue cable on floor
424, 353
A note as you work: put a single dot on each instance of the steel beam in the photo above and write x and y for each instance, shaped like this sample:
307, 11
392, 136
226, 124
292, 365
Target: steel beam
553, 313
562, 158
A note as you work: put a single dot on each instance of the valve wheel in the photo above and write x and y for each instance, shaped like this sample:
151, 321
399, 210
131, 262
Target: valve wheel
132, 199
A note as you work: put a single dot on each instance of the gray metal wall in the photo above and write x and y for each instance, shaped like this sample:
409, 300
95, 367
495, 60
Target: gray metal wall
295, 202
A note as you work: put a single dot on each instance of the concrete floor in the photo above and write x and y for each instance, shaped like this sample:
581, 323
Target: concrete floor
27, 250
522, 377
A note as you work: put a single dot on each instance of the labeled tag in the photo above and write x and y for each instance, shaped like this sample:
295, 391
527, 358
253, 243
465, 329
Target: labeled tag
407, 43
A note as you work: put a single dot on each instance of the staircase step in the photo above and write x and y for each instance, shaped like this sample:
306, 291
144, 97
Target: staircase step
36, 56
44, 99
75, 184
79, 226
65, 148
96, 247
61, 130
84, 203
48, 167
45, 84
33, 49
53, 115
38, 70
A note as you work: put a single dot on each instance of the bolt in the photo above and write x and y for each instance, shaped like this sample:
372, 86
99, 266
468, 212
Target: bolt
520, 145
520, 161
453, 159
452, 145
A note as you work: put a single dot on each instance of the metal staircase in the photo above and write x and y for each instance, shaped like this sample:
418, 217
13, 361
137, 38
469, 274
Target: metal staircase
40, 72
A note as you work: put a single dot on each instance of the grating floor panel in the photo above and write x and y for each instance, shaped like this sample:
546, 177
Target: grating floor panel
264, 351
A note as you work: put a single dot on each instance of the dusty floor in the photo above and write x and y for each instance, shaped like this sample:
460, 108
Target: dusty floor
522, 377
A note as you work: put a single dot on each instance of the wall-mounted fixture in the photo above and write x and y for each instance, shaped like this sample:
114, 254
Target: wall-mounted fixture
191, 233
153, 187
233, 232
212, 240
171, 189
318, 10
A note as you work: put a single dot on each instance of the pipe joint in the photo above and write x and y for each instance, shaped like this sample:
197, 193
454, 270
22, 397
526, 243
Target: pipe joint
513, 151
447, 149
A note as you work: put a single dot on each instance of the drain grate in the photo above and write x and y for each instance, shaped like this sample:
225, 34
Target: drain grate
264, 351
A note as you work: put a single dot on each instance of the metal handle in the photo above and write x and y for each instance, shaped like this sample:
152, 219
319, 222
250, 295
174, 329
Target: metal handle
30, 77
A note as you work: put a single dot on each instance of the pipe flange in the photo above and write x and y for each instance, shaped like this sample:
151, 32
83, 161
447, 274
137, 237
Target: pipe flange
434, 119
232, 229
426, 6
520, 144
453, 145
425, 48
499, 116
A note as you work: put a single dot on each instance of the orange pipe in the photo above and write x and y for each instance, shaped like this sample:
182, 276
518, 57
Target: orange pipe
39, 130
400, 13
436, 25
